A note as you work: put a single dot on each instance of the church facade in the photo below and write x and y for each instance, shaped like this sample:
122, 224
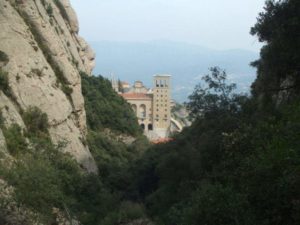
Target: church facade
151, 106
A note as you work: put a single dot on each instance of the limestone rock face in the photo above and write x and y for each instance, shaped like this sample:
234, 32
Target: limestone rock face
46, 55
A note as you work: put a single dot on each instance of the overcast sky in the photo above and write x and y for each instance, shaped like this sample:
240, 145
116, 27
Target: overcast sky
218, 24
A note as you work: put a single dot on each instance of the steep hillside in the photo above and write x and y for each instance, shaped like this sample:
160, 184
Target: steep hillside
106, 109
44, 101
41, 56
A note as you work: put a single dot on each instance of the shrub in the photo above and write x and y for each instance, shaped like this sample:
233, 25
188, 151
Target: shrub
49, 10
3, 57
38, 72
18, 77
4, 82
36, 122
67, 90
1, 119
127, 213
16, 143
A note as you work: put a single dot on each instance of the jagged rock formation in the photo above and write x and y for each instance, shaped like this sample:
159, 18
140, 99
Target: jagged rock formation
43, 57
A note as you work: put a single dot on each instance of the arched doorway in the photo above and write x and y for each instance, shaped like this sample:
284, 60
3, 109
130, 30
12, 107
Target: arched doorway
142, 110
134, 108
150, 126
143, 126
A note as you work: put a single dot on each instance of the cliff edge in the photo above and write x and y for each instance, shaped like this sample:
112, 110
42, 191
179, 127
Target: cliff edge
43, 55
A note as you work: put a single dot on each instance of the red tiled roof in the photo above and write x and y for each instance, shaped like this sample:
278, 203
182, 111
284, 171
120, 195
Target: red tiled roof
162, 140
135, 96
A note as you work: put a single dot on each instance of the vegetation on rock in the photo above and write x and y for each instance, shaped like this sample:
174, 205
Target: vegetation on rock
105, 108
239, 162
4, 83
278, 67
3, 57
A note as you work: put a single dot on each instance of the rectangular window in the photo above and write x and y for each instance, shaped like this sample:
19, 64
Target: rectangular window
161, 83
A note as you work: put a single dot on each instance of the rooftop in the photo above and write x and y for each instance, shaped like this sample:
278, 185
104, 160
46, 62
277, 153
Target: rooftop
162, 75
136, 96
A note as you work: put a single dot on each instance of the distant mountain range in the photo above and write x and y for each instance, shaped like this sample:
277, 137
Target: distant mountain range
187, 63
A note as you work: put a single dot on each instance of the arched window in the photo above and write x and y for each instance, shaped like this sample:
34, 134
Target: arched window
150, 126
143, 126
133, 106
142, 111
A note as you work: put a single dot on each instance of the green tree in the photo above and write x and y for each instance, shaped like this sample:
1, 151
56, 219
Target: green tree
105, 108
279, 64
216, 96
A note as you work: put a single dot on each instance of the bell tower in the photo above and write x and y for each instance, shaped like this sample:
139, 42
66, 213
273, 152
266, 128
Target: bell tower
161, 104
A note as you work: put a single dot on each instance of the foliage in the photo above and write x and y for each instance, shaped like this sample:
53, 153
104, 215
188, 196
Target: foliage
127, 213
49, 10
109, 120
236, 164
234, 167
1, 119
217, 96
105, 109
4, 83
278, 27
3, 57
44, 178
16, 143
36, 122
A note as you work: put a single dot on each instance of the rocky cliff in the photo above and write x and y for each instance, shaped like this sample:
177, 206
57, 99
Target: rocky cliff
43, 56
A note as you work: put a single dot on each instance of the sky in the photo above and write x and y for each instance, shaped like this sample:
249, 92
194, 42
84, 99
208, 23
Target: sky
217, 24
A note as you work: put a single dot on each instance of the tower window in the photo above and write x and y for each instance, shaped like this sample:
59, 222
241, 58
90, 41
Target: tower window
165, 82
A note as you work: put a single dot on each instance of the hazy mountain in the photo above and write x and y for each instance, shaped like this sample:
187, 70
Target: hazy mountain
186, 63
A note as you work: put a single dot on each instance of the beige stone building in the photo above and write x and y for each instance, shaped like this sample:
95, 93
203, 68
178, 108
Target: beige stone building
152, 106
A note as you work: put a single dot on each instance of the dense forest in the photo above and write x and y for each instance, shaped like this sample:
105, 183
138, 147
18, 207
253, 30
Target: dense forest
237, 164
